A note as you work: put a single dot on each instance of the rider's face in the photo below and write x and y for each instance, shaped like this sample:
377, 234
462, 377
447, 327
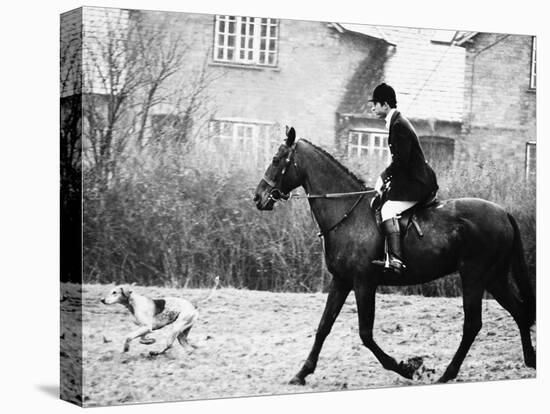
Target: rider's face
380, 110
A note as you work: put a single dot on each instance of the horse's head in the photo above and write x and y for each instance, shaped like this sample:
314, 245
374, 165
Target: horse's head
281, 175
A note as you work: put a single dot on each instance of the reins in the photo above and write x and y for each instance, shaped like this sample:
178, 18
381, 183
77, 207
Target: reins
277, 195
330, 195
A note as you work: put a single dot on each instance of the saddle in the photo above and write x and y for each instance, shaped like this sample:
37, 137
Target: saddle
408, 217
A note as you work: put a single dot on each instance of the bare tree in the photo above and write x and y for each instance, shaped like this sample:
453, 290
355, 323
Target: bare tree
70, 152
133, 67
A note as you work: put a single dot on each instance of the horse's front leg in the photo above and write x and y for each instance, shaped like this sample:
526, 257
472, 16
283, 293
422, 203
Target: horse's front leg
365, 297
336, 298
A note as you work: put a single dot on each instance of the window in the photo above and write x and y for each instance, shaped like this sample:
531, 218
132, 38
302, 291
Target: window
530, 159
367, 144
246, 40
255, 142
533, 81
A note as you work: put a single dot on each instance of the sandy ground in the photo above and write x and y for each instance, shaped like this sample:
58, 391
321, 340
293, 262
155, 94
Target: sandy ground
252, 343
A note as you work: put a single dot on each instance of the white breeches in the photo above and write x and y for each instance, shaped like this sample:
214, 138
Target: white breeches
393, 208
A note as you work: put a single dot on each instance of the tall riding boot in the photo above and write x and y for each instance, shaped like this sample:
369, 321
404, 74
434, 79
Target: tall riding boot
393, 260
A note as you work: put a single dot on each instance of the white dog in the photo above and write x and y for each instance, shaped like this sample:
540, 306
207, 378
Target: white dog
152, 314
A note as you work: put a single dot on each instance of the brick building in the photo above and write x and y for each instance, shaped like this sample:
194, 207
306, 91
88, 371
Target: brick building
317, 76
426, 69
264, 73
500, 97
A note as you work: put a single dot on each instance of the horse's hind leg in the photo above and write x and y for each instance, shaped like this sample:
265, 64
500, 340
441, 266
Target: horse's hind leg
508, 300
472, 288
335, 300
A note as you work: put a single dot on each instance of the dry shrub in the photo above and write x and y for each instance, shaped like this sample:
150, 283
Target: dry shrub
178, 216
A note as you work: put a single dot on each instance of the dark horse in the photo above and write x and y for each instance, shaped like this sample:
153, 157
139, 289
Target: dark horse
476, 237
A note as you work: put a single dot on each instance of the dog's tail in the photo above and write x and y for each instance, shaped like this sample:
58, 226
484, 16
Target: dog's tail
212, 291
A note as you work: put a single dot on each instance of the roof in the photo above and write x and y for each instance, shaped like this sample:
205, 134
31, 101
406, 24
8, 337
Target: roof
367, 30
426, 68
464, 37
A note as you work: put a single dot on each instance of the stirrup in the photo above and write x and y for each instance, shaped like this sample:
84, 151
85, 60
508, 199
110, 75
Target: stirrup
390, 265
380, 263
395, 265
385, 263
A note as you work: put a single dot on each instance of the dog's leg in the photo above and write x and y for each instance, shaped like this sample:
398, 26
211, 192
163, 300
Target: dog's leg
182, 339
180, 329
143, 330
170, 341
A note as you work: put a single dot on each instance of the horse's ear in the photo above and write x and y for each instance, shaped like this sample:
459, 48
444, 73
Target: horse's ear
290, 136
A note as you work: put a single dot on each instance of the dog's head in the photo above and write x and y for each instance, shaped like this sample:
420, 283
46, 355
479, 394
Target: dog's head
119, 294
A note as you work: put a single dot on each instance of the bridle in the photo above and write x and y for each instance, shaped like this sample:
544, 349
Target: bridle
276, 194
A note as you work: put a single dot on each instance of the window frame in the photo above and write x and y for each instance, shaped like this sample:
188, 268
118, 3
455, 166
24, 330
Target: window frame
380, 151
533, 74
258, 146
240, 40
530, 161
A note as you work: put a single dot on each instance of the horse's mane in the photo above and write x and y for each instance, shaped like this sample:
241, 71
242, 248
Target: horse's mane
338, 164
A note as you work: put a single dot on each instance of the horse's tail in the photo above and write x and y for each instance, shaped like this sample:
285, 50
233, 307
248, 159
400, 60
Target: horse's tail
521, 275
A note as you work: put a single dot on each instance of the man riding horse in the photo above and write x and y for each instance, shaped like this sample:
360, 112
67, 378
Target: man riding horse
406, 181
475, 237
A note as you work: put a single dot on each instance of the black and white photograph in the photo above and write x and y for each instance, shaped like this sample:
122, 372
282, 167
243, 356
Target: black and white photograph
277, 204
185, 141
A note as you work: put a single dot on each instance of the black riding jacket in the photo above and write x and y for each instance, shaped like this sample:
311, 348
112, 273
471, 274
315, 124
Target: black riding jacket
409, 176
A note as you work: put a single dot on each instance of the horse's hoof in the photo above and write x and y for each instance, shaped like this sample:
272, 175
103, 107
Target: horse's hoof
446, 377
297, 381
531, 362
409, 368
442, 380
405, 370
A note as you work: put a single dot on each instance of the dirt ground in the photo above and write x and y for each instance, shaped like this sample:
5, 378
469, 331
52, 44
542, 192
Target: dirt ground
252, 343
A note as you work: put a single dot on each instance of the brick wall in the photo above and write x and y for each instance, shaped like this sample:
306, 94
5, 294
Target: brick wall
85, 35
427, 76
315, 74
315, 63
500, 111
104, 33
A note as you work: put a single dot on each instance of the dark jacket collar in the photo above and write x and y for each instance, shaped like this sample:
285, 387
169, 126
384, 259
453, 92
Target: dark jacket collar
394, 117
393, 120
